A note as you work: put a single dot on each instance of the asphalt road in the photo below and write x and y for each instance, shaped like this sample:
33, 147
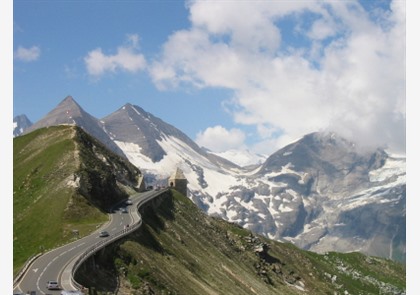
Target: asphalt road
58, 263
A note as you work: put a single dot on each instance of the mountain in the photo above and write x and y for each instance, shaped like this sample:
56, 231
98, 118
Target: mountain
20, 124
63, 179
132, 124
159, 148
181, 250
321, 192
69, 112
335, 197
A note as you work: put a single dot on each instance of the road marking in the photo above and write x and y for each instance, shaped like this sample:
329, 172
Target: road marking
35, 269
140, 200
55, 258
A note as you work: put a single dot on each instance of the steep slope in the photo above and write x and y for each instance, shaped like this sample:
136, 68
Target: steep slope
181, 250
324, 195
132, 124
63, 179
346, 197
159, 148
69, 112
20, 124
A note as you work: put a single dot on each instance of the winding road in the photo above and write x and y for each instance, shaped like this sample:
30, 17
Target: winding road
60, 264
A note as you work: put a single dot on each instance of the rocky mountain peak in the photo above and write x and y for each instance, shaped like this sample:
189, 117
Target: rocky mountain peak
323, 151
20, 124
133, 124
69, 108
69, 112
336, 163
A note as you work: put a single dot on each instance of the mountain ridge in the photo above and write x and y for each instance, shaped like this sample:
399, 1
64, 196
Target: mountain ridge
304, 192
63, 178
69, 112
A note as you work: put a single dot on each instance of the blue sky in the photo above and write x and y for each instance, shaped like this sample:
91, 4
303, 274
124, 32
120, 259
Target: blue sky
230, 74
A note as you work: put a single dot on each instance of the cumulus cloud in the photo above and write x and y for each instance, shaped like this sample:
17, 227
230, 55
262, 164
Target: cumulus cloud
334, 67
28, 54
127, 58
219, 139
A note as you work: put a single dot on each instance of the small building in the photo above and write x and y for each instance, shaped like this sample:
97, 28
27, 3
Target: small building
178, 181
141, 185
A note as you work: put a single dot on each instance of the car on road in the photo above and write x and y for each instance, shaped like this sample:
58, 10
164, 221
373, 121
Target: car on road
129, 202
52, 285
124, 210
103, 234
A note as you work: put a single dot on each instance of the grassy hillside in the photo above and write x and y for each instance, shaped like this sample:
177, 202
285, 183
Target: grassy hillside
180, 250
56, 175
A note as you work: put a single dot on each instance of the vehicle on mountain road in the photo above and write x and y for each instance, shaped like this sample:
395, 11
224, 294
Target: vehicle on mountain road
52, 285
103, 234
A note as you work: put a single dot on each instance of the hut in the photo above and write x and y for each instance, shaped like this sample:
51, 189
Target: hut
178, 181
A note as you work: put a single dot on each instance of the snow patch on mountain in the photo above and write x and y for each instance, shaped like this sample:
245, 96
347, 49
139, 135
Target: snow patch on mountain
20, 124
241, 158
394, 167
211, 179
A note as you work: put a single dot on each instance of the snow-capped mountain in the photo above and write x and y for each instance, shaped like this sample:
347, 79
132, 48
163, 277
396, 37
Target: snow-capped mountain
159, 148
132, 124
20, 124
320, 192
242, 158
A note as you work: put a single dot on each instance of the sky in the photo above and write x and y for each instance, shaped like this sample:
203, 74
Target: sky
252, 75
229, 74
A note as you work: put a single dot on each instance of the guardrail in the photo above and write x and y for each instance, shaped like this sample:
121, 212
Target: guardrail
98, 246
101, 244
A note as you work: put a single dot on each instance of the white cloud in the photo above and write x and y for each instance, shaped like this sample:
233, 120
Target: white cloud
28, 54
322, 29
126, 59
355, 85
220, 139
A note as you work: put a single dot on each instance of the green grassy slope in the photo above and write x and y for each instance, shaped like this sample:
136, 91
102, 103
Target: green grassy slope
55, 172
180, 250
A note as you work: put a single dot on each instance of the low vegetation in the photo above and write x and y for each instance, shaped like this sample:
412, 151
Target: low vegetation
180, 250
63, 182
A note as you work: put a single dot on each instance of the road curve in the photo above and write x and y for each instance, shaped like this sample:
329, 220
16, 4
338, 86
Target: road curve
61, 263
